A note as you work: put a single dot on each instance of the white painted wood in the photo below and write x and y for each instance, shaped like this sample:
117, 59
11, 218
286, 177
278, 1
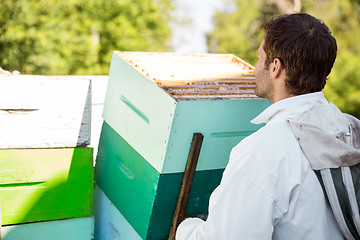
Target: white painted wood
44, 111
98, 88
139, 111
109, 222
98, 85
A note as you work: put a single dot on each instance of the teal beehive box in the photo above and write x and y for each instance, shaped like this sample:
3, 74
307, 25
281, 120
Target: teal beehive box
112, 224
154, 104
156, 101
81, 228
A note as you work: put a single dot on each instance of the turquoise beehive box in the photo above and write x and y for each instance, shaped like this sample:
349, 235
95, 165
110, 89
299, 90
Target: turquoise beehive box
154, 104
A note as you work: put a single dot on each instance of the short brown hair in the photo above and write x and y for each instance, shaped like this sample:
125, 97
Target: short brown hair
305, 47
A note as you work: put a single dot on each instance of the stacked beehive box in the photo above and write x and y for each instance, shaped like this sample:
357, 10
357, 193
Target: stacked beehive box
154, 104
46, 168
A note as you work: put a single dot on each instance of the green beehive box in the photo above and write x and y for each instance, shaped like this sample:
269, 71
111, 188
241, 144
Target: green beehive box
145, 197
156, 101
154, 104
45, 184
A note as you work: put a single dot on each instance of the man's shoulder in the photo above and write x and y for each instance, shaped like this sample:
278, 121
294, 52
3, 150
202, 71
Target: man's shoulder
275, 140
269, 156
267, 135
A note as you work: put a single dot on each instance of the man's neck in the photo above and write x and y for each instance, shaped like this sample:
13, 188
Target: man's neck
280, 96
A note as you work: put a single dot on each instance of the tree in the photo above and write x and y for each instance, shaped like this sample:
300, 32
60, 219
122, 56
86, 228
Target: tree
131, 25
343, 87
228, 36
78, 36
238, 30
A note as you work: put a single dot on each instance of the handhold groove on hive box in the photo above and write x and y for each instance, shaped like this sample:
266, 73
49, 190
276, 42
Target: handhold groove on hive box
231, 134
124, 169
25, 184
21, 110
135, 109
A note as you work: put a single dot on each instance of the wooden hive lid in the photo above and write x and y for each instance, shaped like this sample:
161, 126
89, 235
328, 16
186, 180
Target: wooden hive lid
196, 76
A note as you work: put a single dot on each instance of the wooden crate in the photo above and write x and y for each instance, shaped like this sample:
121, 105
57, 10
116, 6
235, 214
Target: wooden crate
156, 101
69, 229
45, 184
44, 111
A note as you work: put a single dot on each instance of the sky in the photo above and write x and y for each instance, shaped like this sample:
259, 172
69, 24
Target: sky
190, 37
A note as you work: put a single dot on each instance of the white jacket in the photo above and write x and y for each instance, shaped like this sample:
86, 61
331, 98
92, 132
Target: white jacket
268, 189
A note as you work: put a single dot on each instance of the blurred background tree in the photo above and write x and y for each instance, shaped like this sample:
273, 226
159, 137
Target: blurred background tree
343, 87
77, 36
238, 30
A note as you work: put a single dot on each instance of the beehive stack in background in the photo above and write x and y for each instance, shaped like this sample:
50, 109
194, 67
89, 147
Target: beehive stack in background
46, 168
153, 105
98, 90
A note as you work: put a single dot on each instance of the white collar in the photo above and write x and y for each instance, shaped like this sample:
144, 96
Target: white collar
289, 107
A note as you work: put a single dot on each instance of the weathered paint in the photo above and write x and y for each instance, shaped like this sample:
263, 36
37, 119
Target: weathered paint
146, 198
45, 184
44, 111
69, 229
160, 128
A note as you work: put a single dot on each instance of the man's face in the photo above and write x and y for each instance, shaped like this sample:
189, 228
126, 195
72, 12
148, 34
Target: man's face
264, 85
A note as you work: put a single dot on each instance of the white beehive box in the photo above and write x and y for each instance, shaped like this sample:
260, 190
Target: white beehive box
44, 111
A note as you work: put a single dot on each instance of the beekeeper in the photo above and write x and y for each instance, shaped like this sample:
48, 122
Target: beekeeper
269, 189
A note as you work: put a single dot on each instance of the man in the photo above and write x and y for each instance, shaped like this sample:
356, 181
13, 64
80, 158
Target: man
268, 189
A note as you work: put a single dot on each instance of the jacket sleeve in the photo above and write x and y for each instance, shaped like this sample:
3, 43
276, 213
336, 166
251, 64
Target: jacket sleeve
239, 208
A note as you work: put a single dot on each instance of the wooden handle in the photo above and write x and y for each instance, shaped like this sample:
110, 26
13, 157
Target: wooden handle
186, 183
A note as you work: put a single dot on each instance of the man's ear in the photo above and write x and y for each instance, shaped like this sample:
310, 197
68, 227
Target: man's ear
276, 68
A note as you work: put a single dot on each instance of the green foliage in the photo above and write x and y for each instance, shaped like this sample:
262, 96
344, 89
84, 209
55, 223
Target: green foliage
238, 30
78, 36
343, 87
